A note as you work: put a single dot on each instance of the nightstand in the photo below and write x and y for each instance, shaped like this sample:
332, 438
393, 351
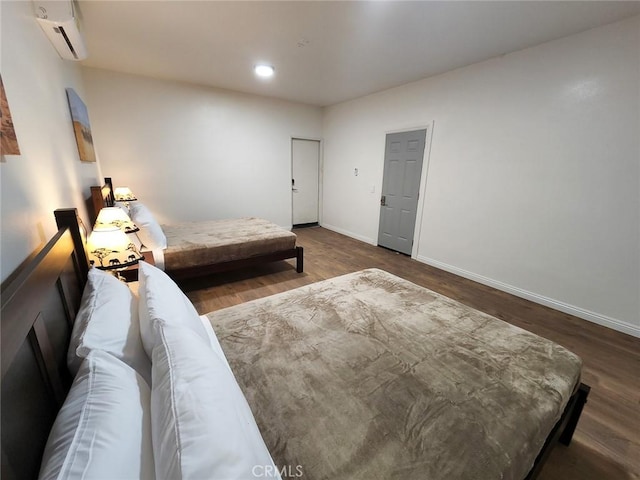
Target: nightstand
130, 274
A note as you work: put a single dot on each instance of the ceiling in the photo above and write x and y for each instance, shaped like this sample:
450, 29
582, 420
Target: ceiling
324, 52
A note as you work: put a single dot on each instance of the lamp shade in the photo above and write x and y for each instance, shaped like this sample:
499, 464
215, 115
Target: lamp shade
123, 194
110, 248
115, 217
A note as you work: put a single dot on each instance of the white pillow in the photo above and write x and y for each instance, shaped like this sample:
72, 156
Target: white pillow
150, 233
202, 426
103, 429
161, 300
108, 320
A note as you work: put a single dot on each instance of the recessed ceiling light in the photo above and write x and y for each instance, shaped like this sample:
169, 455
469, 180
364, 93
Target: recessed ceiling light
264, 70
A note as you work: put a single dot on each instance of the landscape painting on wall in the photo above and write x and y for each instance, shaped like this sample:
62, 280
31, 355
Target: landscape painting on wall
9, 143
81, 127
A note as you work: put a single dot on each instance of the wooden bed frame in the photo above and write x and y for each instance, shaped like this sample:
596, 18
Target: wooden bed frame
103, 197
39, 306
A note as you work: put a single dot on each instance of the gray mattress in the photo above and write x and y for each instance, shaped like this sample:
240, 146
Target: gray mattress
369, 376
210, 242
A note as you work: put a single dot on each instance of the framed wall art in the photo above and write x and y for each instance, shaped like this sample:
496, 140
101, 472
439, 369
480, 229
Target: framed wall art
9, 141
81, 127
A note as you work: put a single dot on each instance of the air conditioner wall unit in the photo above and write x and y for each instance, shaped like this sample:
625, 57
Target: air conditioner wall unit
59, 22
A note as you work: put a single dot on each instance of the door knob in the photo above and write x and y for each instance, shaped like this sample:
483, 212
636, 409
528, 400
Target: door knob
383, 200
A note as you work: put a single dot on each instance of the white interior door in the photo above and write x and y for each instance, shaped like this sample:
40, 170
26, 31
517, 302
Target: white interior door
305, 160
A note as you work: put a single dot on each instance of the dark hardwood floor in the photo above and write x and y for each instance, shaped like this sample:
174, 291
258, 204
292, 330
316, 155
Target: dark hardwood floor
606, 445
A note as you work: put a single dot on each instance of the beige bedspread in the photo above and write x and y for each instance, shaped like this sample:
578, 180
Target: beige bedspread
368, 376
216, 241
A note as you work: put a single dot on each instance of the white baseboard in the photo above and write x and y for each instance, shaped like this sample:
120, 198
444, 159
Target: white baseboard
349, 234
603, 320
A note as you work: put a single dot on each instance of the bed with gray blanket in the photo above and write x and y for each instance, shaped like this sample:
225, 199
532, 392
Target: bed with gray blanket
370, 376
210, 246
209, 242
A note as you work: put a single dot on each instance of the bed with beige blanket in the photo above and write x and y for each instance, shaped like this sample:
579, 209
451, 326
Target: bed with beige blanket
190, 244
370, 376
365, 376
191, 249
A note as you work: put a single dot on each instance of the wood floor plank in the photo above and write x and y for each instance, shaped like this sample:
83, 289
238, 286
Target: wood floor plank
606, 445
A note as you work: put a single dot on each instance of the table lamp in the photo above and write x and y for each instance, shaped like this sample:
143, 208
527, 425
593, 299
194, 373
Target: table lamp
123, 194
116, 217
109, 248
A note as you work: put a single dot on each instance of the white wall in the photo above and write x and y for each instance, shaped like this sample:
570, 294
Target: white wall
197, 153
48, 173
533, 180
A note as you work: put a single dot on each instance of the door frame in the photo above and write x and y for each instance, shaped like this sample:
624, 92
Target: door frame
320, 171
423, 178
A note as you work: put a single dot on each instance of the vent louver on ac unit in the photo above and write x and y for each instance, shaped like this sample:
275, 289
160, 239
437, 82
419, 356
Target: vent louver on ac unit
59, 23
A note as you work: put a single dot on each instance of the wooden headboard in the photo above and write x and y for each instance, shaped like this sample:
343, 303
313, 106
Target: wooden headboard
101, 197
39, 306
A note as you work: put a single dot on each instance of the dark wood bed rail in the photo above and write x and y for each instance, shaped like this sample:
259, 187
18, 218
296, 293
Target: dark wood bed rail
201, 270
563, 430
39, 306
